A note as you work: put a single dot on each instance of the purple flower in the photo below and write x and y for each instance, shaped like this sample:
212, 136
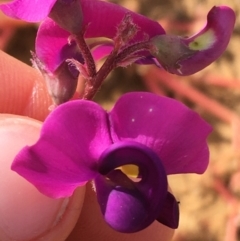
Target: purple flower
178, 55
80, 142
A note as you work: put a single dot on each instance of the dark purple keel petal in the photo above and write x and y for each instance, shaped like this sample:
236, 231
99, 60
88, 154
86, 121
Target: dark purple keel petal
190, 55
173, 131
130, 206
28, 10
72, 139
123, 209
169, 215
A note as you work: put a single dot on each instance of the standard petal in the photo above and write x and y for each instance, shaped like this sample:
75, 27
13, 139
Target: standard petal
186, 56
28, 10
102, 18
176, 133
72, 140
130, 206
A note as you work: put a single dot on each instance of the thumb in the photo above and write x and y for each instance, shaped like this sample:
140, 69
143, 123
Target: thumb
26, 214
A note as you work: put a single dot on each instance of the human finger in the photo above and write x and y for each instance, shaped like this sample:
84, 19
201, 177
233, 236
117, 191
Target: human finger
23, 90
26, 214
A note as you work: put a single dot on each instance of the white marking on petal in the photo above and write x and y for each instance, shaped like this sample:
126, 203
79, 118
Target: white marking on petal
203, 41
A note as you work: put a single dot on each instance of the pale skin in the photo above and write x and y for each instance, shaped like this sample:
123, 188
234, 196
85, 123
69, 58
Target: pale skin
26, 214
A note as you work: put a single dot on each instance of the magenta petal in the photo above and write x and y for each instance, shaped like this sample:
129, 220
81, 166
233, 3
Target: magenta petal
102, 51
53, 46
176, 133
28, 10
72, 140
102, 19
51, 41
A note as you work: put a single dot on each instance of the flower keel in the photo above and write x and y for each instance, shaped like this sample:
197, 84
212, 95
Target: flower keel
128, 205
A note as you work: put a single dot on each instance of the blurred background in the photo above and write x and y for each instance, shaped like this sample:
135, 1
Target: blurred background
209, 203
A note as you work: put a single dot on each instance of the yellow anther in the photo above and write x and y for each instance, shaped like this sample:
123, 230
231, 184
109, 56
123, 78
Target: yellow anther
130, 170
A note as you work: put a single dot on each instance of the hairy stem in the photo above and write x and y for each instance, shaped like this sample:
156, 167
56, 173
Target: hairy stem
107, 67
86, 53
111, 63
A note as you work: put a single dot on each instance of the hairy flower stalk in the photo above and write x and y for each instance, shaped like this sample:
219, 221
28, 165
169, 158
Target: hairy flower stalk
122, 52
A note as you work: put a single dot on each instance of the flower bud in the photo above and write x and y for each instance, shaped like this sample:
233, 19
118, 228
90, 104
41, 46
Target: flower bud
62, 83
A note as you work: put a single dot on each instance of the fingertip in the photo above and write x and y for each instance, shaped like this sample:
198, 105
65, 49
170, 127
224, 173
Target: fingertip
26, 214
23, 90
67, 219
